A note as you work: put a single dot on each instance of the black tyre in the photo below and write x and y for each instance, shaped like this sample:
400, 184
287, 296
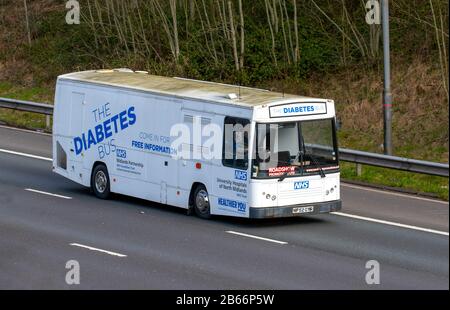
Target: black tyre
201, 202
100, 182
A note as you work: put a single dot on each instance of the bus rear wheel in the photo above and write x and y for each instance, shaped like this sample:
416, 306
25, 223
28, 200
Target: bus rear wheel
100, 182
201, 202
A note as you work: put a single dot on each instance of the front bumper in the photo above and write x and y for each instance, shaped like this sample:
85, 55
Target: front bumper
291, 211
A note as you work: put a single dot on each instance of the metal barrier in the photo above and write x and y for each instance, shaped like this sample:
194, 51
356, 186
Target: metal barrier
354, 156
394, 162
27, 106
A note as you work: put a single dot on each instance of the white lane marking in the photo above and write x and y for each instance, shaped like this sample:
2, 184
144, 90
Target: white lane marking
392, 193
255, 237
47, 193
97, 249
391, 223
25, 155
26, 130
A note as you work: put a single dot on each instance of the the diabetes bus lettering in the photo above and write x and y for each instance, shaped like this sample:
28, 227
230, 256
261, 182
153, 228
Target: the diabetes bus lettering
108, 128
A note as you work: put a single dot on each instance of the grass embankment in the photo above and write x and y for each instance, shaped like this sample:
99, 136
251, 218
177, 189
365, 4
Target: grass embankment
24, 119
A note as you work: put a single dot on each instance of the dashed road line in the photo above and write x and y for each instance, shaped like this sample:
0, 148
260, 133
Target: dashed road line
391, 223
97, 249
47, 193
255, 237
25, 155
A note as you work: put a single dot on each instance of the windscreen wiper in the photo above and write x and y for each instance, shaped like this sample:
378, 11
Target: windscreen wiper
284, 175
302, 152
316, 163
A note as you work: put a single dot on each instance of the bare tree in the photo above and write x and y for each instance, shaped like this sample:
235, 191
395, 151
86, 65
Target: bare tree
173, 10
27, 22
272, 35
442, 46
210, 31
284, 34
241, 13
297, 47
233, 35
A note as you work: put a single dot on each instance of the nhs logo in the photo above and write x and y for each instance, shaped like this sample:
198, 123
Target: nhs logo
121, 153
301, 185
240, 175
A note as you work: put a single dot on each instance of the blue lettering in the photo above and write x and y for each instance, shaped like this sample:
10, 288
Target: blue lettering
107, 128
240, 175
84, 141
239, 206
131, 116
101, 151
301, 185
91, 139
137, 144
78, 145
298, 109
104, 130
121, 153
99, 133
123, 120
114, 121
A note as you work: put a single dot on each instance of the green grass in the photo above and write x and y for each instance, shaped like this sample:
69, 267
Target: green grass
41, 94
24, 119
414, 182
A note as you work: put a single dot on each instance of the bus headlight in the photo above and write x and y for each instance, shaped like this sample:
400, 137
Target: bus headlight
268, 196
274, 197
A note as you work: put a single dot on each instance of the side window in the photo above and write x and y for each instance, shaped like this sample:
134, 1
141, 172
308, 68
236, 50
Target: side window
235, 142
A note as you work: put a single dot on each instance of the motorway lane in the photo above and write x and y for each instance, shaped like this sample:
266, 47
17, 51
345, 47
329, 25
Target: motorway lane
169, 250
25, 141
402, 208
166, 249
395, 207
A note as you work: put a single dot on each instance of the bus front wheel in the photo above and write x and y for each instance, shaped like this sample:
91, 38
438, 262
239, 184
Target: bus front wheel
100, 182
201, 202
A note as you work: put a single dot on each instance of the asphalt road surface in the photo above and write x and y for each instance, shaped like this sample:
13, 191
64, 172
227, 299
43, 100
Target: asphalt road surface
126, 243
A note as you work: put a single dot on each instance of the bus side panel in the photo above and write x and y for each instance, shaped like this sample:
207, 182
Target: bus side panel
144, 164
130, 132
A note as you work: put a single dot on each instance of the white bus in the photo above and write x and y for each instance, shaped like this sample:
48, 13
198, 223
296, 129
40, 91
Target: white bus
167, 140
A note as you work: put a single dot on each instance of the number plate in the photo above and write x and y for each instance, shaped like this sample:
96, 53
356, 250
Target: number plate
299, 210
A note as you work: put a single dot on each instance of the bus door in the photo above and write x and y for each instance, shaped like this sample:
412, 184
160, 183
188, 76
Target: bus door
193, 163
231, 174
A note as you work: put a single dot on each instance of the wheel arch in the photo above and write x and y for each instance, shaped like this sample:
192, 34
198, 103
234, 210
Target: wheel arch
94, 165
191, 194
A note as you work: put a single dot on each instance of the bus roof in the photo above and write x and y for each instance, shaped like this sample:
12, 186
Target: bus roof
180, 87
